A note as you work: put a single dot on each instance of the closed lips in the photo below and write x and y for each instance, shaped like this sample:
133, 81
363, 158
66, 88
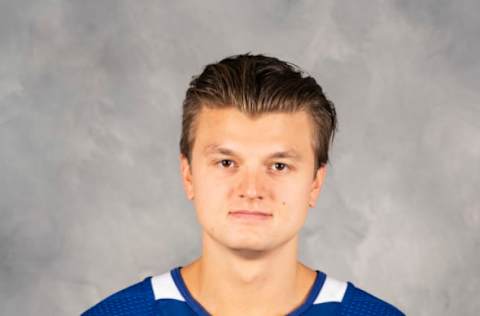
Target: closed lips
250, 212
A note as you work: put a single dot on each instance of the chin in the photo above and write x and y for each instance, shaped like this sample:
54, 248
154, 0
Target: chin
249, 253
248, 246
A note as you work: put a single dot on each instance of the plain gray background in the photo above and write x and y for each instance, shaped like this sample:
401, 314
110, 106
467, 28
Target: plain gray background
90, 106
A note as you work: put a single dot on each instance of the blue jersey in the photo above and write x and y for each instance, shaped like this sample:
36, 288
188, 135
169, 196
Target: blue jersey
166, 294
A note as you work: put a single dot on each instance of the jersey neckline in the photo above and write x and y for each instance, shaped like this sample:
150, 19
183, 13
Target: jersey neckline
200, 310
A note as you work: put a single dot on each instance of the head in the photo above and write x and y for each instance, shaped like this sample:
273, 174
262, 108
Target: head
255, 136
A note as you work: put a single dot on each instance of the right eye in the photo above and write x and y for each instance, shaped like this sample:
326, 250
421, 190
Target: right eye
225, 163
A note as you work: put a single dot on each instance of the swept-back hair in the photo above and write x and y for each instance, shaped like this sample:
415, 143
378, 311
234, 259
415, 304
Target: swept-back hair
258, 84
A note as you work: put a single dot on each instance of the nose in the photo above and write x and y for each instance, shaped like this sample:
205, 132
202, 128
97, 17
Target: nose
250, 185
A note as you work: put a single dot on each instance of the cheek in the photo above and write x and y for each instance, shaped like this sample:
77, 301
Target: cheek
293, 195
212, 187
204, 184
210, 195
294, 202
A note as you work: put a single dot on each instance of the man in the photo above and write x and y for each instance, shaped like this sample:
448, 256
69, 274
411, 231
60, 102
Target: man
254, 152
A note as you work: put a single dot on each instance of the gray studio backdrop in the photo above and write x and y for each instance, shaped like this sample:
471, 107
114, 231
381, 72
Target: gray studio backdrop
90, 102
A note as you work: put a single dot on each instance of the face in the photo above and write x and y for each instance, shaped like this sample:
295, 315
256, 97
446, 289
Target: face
263, 164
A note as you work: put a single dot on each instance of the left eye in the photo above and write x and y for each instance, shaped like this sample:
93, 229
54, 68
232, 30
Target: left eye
280, 165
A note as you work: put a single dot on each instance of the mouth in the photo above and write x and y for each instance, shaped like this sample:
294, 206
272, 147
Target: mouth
250, 214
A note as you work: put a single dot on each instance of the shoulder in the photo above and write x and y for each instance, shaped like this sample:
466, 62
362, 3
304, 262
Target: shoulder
136, 299
342, 298
357, 301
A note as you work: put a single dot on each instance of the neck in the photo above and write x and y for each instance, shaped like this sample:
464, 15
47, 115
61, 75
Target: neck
234, 282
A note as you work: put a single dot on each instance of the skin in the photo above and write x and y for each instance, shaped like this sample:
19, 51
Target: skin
250, 267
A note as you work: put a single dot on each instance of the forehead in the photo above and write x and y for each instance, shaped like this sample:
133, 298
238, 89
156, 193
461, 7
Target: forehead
218, 129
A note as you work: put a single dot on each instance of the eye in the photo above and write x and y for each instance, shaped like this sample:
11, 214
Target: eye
280, 166
225, 163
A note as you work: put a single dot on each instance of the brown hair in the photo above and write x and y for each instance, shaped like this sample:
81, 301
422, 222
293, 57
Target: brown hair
257, 84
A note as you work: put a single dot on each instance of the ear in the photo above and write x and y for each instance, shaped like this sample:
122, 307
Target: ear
186, 174
317, 185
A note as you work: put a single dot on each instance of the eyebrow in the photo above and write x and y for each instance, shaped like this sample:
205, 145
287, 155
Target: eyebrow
215, 148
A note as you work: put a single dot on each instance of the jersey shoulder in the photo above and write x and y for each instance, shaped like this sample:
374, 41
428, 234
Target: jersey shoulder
359, 302
136, 299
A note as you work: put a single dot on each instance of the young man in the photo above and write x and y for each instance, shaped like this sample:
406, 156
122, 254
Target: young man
254, 151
